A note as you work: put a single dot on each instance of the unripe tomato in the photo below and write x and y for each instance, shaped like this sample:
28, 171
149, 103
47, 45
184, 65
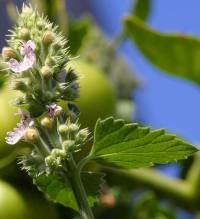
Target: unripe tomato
12, 204
97, 96
7, 119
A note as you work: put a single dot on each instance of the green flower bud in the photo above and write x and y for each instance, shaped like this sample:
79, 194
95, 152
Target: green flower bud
24, 34
46, 71
68, 144
56, 46
8, 53
20, 84
82, 135
48, 37
40, 24
47, 122
50, 61
49, 95
63, 129
31, 135
58, 153
73, 127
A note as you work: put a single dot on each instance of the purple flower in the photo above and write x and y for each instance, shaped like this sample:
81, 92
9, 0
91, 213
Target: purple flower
54, 110
14, 65
27, 50
18, 133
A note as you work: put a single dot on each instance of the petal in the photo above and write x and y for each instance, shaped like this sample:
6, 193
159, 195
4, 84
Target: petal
54, 110
27, 62
16, 135
27, 47
14, 65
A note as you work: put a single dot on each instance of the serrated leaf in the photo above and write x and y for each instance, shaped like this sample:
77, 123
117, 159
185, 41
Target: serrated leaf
142, 8
132, 146
177, 54
59, 189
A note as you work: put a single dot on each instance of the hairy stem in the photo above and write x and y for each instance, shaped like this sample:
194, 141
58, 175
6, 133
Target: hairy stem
79, 190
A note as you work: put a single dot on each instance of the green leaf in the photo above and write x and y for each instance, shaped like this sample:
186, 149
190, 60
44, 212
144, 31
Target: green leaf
175, 53
132, 146
142, 8
59, 189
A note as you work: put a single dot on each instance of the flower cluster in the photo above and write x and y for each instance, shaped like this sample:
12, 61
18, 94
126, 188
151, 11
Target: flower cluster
37, 59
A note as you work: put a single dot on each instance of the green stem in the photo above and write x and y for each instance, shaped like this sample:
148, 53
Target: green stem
177, 190
78, 189
193, 177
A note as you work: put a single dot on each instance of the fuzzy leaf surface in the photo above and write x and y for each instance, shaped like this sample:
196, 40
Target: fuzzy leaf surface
176, 54
131, 146
59, 189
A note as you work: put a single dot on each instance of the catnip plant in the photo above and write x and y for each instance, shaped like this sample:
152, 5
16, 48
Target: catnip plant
37, 62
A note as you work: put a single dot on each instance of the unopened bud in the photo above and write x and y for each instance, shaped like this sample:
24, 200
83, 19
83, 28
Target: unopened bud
63, 129
48, 37
19, 85
82, 135
50, 61
73, 127
24, 34
47, 122
31, 135
58, 153
56, 46
46, 71
8, 53
68, 144
49, 95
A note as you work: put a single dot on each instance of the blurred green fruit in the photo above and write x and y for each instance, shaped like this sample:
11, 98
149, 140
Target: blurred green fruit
12, 205
97, 96
7, 119
40, 208
8, 122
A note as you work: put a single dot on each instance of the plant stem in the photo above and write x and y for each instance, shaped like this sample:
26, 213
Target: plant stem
179, 191
79, 190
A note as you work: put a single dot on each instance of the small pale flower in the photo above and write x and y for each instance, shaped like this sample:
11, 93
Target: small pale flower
14, 65
18, 133
54, 110
27, 50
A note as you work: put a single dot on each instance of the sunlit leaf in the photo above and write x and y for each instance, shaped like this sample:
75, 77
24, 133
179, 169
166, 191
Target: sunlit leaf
132, 146
142, 8
177, 54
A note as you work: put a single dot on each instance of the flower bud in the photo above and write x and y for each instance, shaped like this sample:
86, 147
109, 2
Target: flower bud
50, 61
8, 53
63, 129
82, 135
48, 37
56, 46
58, 153
19, 85
73, 127
31, 135
49, 95
24, 34
46, 71
68, 144
47, 122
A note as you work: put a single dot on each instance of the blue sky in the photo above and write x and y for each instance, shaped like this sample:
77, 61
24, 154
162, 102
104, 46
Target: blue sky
162, 100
